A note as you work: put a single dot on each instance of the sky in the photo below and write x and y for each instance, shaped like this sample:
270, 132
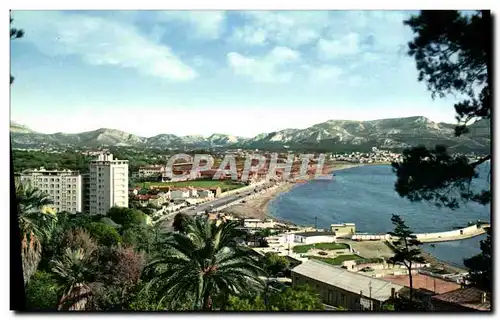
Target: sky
202, 72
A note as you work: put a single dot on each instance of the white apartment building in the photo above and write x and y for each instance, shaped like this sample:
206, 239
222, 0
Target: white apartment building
64, 187
108, 184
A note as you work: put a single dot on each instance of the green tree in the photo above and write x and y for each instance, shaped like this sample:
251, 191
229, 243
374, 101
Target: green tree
452, 51
80, 239
204, 261
145, 300
126, 217
36, 222
142, 238
41, 292
406, 248
453, 54
15, 34
74, 272
118, 275
180, 219
275, 263
300, 298
480, 266
104, 234
235, 303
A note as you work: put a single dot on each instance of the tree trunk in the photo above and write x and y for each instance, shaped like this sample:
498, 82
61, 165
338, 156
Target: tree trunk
411, 283
207, 302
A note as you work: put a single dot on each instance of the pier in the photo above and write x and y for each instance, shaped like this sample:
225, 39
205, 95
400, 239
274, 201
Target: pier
453, 235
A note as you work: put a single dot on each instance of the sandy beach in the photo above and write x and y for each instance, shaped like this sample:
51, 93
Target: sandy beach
257, 207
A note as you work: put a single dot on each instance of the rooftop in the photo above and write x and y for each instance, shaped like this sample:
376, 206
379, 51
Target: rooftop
43, 171
422, 281
315, 233
466, 297
346, 280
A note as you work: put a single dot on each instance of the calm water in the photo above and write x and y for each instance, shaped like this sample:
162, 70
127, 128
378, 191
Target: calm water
366, 196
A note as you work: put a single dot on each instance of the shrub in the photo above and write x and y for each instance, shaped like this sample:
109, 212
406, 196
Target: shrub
104, 234
42, 293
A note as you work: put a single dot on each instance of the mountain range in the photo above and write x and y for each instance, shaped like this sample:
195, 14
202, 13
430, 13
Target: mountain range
332, 135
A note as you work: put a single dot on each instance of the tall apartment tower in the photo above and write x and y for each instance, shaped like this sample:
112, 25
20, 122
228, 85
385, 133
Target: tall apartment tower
108, 184
64, 187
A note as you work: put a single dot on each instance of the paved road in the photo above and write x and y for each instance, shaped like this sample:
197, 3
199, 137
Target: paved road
217, 203
210, 205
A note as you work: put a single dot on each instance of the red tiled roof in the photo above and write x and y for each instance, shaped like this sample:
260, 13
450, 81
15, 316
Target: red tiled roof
422, 281
466, 297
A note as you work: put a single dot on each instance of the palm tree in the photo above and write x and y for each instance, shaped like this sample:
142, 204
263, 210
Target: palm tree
74, 272
203, 262
36, 221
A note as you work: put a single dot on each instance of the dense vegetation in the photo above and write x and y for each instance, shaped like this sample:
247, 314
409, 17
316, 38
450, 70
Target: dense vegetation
75, 160
119, 262
35, 159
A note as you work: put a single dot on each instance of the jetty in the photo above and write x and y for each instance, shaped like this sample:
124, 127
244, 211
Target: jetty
453, 235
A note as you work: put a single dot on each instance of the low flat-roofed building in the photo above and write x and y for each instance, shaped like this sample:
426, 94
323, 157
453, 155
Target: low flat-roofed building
311, 237
343, 229
463, 299
339, 287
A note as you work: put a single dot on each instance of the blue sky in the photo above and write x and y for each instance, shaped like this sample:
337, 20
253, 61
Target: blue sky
200, 72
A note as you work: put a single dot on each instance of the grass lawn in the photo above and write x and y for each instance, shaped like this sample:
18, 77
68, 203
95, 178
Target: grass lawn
223, 184
321, 246
338, 260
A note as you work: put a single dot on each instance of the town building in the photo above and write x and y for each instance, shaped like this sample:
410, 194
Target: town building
315, 237
177, 194
259, 224
108, 184
343, 229
217, 191
206, 194
341, 288
64, 187
151, 171
463, 299
86, 192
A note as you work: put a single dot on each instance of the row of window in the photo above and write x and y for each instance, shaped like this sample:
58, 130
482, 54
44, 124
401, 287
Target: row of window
57, 203
55, 179
74, 198
57, 186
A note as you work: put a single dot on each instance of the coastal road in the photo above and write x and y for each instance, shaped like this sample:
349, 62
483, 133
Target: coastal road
212, 205
217, 203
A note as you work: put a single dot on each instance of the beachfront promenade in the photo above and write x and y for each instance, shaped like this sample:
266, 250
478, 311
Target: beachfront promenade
453, 235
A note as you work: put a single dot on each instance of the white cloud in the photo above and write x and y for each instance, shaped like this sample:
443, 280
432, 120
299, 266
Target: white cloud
324, 73
267, 69
287, 28
204, 24
342, 46
100, 41
250, 35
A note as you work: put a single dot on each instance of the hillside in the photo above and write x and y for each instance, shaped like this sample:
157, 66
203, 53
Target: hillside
332, 135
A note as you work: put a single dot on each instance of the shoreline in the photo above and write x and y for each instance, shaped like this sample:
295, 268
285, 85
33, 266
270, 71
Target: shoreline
259, 208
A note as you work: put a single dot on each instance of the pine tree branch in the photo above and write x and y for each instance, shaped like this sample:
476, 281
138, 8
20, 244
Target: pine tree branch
475, 164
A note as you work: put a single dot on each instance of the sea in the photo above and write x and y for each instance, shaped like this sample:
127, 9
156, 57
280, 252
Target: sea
366, 196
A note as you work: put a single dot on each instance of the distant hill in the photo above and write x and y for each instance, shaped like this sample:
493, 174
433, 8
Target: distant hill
332, 135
